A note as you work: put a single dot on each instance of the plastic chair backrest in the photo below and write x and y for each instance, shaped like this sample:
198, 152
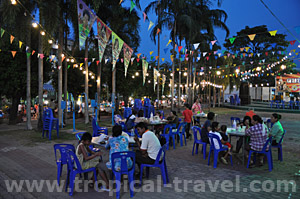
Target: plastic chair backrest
147, 102
79, 135
196, 129
47, 113
182, 127
93, 103
63, 149
280, 141
123, 156
127, 112
72, 158
237, 119
211, 137
117, 116
162, 152
268, 143
168, 127
137, 104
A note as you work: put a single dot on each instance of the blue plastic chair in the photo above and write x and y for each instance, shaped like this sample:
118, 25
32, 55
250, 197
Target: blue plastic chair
169, 128
137, 105
291, 104
197, 141
117, 116
216, 151
97, 131
277, 104
297, 104
49, 123
237, 119
124, 169
127, 112
63, 149
238, 101
265, 150
75, 168
179, 132
272, 103
282, 104
147, 102
160, 163
279, 146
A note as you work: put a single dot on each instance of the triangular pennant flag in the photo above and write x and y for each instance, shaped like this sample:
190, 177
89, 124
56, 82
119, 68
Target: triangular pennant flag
273, 33
28, 54
2, 32
69, 66
198, 58
179, 48
144, 15
158, 31
232, 39
258, 54
204, 53
11, 38
273, 52
292, 42
33, 51
219, 54
171, 56
132, 59
163, 59
93, 59
122, 60
156, 57
196, 46
266, 53
247, 48
27, 48
207, 58
294, 50
150, 25
152, 57
225, 57
85, 59
41, 56
151, 52
80, 65
13, 53
215, 52
20, 44
213, 42
251, 37
169, 42
97, 62
132, 5
186, 59
138, 55
106, 60
63, 58
120, 2
166, 50
138, 59
251, 62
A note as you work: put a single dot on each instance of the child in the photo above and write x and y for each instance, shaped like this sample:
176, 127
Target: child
215, 130
187, 114
225, 137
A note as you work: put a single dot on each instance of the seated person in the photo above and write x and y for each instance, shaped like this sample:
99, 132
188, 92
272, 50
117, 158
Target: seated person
149, 148
173, 118
246, 122
140, 117
276, 131
117, 143
158, 128
206, 127
258, 134
215, 130
130, 121
87, 161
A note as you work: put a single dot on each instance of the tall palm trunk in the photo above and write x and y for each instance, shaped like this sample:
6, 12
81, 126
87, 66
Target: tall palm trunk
194, 77
41, 79
86, 83
66, 78
113, 92
28, 86
173, 67
60, 48
179, 94
99, 67
158, 51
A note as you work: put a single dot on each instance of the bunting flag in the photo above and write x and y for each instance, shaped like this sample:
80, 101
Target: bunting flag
28, 54
292, 42
63, 58
273, 33
156, 57
258, 54
179, 48
198, 58
232, 39
169, 42
103, 37
2, 32
120, 2
137, 59
204, 53
33, 51
155, 76
11, 39
138, 55
13, 53
86, 19
247, 48
127, 55
106, 60
266, 53
213, 42
80, 65
117, 44
85, 59
144, 15
196, 46
172, 59
166, 50
97, 62
150, 25
132, 5
20, 44
219, 54
158, 31
163, 83
145, 68
163, 59
151, 52
251, 37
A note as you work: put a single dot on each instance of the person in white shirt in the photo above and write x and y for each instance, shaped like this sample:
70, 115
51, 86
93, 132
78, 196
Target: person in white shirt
149, 148
215, 131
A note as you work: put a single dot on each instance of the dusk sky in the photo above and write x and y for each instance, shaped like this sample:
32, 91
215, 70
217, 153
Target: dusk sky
241, 13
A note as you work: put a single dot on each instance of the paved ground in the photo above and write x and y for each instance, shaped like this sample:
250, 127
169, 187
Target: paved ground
24, 157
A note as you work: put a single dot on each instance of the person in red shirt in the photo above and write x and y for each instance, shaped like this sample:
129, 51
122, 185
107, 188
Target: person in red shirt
187, 114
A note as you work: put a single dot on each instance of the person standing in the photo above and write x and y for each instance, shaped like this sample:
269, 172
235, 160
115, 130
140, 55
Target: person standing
196, 108
187, 114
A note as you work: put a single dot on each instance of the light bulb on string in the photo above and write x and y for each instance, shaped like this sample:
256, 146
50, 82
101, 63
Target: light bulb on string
43, 33
13, 2
34, 24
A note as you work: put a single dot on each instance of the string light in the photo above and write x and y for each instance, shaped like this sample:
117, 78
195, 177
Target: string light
14, 2
43, 33
50, 41
137, 74
34, 24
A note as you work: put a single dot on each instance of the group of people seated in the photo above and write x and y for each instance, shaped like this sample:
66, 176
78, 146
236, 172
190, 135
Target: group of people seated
256, 134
